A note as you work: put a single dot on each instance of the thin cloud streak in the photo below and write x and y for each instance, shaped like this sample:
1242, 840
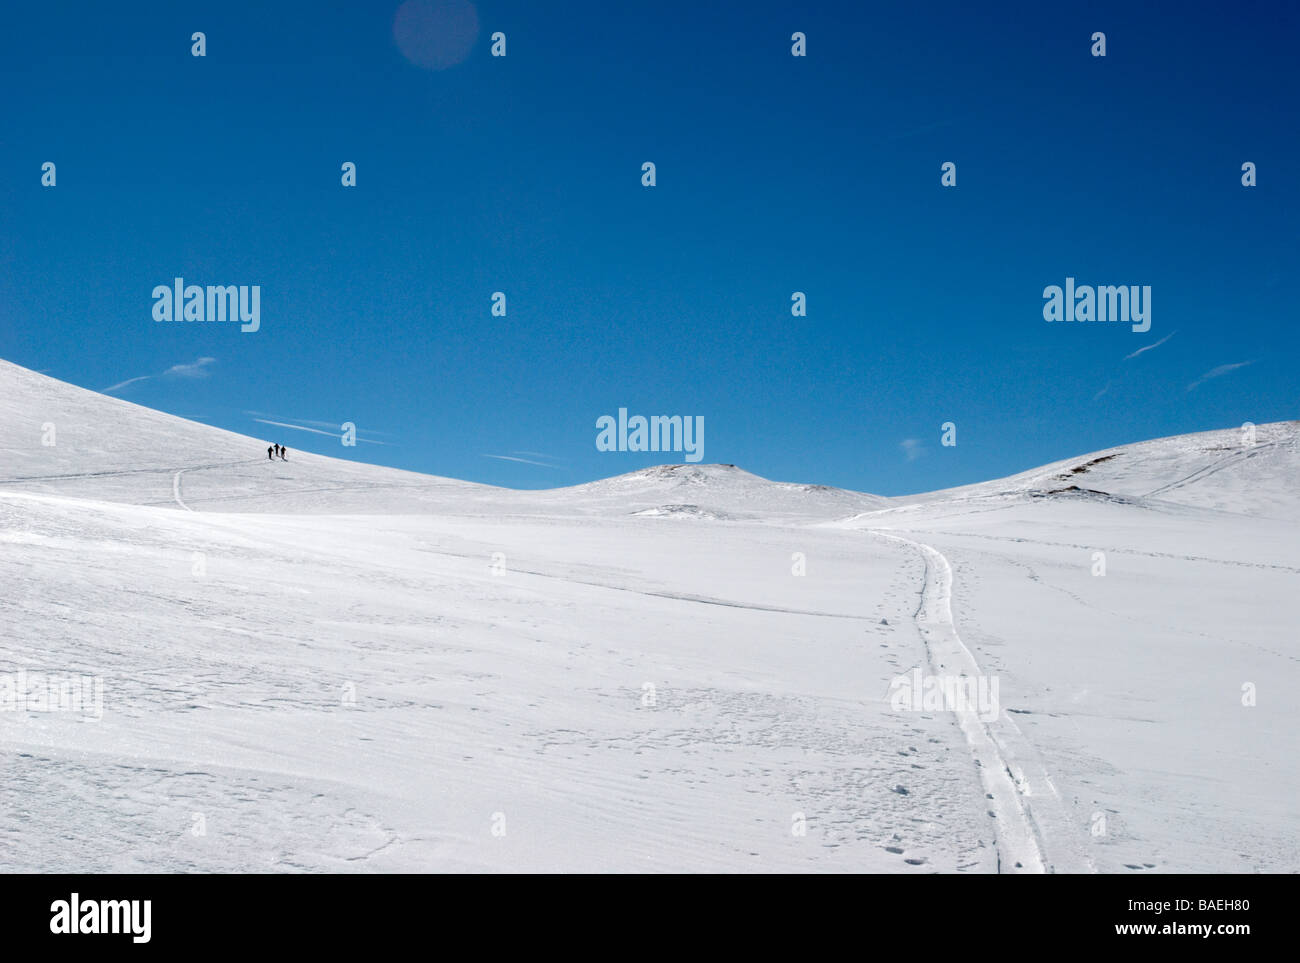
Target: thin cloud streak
316, 423
1129, 357
1218, 372
123, 384
193, 370
526, 461
317, 431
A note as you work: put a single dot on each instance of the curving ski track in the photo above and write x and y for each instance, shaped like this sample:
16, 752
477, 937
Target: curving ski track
176, 489
1017, 839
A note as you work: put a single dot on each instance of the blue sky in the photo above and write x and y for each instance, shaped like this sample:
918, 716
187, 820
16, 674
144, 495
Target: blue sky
775, 174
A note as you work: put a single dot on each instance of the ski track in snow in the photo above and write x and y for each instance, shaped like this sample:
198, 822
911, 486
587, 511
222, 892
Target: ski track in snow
176, 489
1115, 550
1213, 468
1018, 843
525, 692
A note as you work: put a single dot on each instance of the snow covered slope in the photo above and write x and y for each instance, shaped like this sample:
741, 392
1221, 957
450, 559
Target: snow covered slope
322, 665
1136, 605
1250, 470
108, 449
722, 492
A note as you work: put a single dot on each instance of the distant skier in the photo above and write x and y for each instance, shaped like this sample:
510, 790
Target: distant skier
268, 453
283, 451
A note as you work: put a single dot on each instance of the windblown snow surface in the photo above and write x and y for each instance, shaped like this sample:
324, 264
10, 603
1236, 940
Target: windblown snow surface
318, 665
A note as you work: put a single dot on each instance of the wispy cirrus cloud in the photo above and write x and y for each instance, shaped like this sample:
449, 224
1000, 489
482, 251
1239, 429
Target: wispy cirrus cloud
1218, 372
122, 384
289, 424
195, 369
332, 427
309, 425
1149, 347
1105, 389
517, 456
912, 448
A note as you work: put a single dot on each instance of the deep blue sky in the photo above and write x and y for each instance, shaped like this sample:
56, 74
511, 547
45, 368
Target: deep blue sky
775, 174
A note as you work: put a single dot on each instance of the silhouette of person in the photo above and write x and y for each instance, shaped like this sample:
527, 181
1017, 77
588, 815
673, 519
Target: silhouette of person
269, 451
283, 451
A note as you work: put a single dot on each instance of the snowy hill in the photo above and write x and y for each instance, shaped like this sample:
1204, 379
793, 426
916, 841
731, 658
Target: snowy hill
108, 449
1135, 601
722, 492
1236, 470
323, 665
